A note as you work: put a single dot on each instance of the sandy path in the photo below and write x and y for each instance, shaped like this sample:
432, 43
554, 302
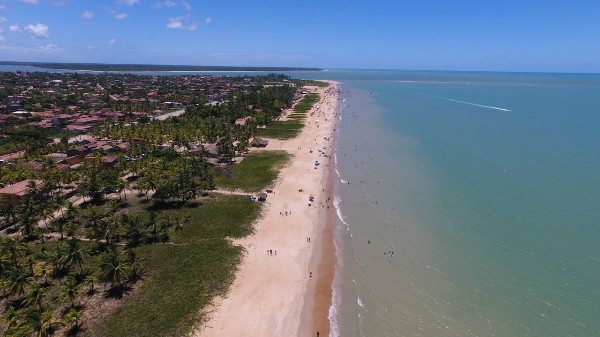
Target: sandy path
268, 295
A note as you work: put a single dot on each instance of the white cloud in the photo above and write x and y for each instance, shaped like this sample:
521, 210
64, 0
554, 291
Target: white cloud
128, 2
168, 3
2, 19
2, 7
2, 38
37, 31
50, 47
192, 26
186, 5
91, 48
175, 22
208, 20
14, 28
32, 2
88, 15
120, 16
112, 41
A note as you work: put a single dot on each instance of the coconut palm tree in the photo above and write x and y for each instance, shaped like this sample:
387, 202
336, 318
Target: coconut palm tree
136, 268
35, 296
11, 316
38, 321
73, 256
113, 269
17, 281
8, 214
69, 290
72, 318
44, 271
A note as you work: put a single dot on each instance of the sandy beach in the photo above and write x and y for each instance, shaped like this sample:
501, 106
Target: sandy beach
288, 292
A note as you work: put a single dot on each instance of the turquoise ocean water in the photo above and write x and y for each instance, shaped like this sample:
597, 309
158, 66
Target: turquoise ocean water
486, 188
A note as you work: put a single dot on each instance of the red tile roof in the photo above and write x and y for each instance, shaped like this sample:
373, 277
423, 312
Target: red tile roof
20, 189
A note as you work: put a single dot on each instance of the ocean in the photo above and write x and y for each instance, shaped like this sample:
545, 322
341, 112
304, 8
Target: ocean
468, 203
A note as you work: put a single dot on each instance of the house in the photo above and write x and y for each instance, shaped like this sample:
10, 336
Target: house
211, 150
12, 194
109, 161
196, 152
80, 151
241, 121
57, 157
259, 142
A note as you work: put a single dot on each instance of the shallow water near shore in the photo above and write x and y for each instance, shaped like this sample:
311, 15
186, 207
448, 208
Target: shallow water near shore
485, 187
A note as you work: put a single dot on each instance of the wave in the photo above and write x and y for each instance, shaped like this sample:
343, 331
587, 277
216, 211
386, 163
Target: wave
336, 298
474, 104
360, 302
338, 210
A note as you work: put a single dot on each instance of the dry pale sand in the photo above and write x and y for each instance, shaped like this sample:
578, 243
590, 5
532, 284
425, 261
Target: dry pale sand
274, 295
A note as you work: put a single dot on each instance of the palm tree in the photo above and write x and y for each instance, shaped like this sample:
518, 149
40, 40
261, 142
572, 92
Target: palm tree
12, 315
17, 281
73, 256
136, 268
35, 296
44, 272
113, 269
28, 217
72, 318
122, 185
89, 279
69, 290
14, 249
38, 321
9, 214
71, 212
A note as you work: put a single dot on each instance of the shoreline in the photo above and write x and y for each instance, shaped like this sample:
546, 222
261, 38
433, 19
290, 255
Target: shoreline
288, 291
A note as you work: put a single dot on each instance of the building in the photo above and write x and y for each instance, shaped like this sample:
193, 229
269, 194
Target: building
12, 194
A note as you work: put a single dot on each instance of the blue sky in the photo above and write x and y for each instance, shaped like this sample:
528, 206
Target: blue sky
503, 35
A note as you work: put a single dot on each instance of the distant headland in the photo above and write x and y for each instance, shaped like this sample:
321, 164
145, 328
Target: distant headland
147, 67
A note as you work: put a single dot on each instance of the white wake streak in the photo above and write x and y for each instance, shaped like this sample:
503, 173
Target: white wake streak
475, 104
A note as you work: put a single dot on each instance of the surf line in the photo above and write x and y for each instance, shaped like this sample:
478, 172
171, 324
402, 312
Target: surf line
474, 104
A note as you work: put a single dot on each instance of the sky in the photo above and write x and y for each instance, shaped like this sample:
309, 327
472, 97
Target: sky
488, 35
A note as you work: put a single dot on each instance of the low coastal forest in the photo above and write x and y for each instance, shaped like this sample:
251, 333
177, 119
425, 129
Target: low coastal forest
123, 229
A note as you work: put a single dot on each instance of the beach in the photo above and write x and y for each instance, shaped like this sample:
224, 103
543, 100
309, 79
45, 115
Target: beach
283, 285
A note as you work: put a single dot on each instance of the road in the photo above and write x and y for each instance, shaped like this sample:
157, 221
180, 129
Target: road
169, 115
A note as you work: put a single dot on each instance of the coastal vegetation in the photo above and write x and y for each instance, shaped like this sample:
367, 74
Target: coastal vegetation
114, 230
254, 173
291, 127
182, 277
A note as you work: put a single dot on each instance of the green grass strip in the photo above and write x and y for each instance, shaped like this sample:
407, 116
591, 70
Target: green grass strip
257, 171
306, 103
282, 129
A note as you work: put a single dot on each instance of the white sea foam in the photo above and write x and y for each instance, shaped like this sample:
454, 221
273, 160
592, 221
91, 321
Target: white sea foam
360, 302
336, 203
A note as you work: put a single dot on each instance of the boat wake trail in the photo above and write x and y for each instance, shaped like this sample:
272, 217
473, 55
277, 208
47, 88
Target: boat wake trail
474, 104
